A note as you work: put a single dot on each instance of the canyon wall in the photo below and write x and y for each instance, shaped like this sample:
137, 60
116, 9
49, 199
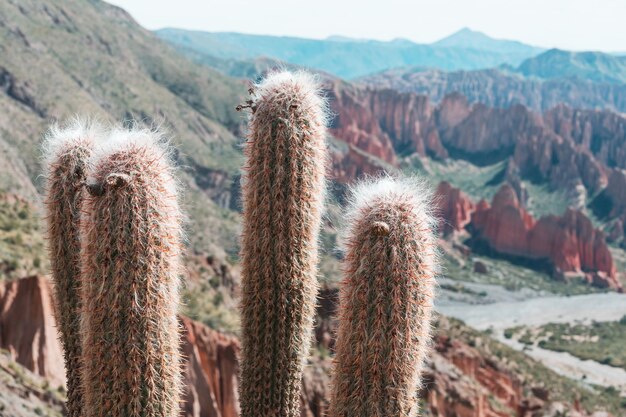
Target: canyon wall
563, 147
570, 243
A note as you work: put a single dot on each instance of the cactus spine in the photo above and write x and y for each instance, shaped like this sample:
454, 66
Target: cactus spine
131, 242
67, 151
385, 301
283, 188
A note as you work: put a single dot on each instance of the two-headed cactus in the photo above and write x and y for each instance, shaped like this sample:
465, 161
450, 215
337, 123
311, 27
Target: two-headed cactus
115, 269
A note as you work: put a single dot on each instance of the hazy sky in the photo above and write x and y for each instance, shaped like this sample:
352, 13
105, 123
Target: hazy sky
567, 24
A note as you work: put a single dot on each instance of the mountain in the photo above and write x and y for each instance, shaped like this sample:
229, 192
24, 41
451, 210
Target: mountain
125, 70
344, 57
503, 88
468, 38
592, 66
572, 153
519, 73
59, 58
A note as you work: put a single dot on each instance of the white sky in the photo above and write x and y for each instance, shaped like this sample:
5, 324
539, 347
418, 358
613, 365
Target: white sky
566, 24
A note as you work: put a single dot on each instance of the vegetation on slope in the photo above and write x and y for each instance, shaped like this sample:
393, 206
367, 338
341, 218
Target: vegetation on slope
60, 58
602, 342
586, 66
25, 394
21, 239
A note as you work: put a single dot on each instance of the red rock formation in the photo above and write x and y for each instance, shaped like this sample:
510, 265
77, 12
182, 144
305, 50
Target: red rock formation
504, 224
473, 381
27, 327
453, 109
355, 123
211, 371
563, 147
381, 123
350, 162
573, 244
487, 134
601, 132
454, 208
570, 241
545, 156
409, 121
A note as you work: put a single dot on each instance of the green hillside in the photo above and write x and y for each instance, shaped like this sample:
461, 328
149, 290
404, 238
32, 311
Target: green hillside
60, 58
587, 66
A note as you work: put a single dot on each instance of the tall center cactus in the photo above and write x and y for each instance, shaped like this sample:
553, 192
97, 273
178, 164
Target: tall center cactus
385, 301
282, 204
130, 266
67, 151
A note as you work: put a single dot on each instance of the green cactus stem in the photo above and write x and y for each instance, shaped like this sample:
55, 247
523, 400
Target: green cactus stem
386, 299
283, 188
66, 152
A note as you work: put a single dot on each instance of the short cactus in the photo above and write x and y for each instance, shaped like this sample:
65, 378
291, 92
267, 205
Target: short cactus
386, 298
66, 151
130, 264
283, 188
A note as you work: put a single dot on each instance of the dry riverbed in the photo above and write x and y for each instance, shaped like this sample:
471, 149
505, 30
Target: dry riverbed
519, 310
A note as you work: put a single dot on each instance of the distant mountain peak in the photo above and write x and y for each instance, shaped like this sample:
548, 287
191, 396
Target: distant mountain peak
402, 41
470, 38
341, 38
464, 37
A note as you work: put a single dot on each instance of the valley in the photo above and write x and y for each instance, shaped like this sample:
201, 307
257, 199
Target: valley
529, 176
536, 312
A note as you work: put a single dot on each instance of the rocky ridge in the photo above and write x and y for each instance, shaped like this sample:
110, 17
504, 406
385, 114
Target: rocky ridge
503, 87
460, 380
563, 147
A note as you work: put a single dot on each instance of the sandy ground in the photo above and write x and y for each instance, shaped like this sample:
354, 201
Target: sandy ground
538, 311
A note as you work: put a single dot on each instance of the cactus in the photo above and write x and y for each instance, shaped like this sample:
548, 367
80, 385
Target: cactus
385, 301
283, 187
117, 286
130, 264
66, 151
